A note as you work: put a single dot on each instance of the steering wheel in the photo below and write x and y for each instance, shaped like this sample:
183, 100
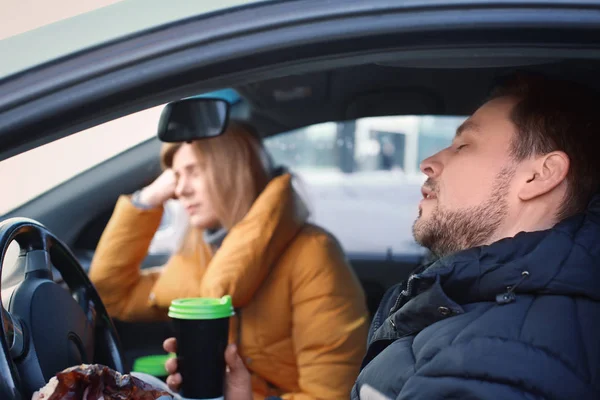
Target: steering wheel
47, 328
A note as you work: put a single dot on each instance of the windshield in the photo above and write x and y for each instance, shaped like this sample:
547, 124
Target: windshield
361, 179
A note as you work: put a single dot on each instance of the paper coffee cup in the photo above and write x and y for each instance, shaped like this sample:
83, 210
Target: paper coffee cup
202, 330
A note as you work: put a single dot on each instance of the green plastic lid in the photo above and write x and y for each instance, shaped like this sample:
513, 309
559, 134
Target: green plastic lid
152, 365
201, 308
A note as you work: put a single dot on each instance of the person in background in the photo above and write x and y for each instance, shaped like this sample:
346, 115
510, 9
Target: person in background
301, 320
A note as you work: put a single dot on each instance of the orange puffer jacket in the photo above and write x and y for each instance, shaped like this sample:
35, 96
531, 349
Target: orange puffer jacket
301, 320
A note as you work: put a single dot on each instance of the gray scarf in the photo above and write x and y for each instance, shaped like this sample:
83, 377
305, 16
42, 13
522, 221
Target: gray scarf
215, 237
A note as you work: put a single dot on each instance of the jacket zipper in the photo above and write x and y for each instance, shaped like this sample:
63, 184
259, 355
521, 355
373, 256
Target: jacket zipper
406, 293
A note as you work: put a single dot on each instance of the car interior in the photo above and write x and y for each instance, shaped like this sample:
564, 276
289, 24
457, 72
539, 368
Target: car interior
307, 84
77, 210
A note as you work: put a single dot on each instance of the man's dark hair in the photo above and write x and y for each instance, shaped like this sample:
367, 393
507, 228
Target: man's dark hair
560, 115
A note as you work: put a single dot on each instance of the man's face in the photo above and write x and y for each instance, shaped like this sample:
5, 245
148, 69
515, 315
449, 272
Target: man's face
467, 195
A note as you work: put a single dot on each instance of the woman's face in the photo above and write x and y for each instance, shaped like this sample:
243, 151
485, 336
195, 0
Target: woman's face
192, 188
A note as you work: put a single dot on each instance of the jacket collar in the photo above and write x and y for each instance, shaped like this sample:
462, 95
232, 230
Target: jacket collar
564, 260
254, 245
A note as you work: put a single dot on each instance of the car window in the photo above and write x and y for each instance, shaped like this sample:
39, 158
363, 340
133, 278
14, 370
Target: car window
36, 171
45, 167
361, 179
171, 230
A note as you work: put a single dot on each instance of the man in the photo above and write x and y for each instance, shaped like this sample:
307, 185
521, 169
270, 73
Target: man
511, 309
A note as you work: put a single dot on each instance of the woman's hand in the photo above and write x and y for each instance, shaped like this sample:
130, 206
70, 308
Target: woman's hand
159, 191
238, 385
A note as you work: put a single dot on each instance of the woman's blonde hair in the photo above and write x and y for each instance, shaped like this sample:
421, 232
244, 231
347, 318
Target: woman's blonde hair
238, 170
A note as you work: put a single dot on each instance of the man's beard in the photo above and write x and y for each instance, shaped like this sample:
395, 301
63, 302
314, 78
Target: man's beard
449, 231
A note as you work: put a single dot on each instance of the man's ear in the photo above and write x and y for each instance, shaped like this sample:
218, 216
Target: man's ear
546, 173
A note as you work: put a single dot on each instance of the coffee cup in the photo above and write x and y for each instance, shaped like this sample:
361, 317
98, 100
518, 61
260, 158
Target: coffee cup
202, 330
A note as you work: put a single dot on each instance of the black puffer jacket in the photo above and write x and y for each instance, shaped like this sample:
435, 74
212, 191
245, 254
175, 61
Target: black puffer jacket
519, 319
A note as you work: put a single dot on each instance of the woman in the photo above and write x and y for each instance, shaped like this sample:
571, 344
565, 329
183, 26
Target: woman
301, 319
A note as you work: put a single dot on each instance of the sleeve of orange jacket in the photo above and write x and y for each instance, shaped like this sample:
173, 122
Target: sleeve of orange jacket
330, 322
115, 270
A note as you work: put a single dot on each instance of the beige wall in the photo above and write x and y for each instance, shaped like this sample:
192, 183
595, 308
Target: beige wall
18, 16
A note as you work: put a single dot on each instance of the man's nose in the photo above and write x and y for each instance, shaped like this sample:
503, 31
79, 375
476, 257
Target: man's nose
431, 166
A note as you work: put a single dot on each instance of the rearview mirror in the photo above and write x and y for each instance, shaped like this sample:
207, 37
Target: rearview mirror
194, 118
